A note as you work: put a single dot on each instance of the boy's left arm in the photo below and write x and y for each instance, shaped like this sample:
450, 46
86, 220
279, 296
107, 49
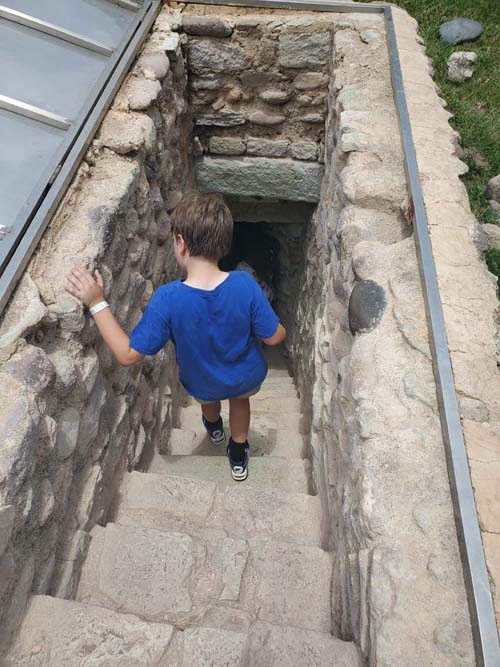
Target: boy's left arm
90, 291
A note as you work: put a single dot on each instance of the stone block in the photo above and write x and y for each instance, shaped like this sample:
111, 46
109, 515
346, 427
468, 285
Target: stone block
305, 50
138, 94
493, 189
19, 426
206, 26
261, 177
46, 502
206, 57
311, 99
154, 65
267, 147
31, 367
88, 495
71, 630
126, 132
67, 434
65, 368
19, 598
313, 118
257, 79
220, 119
226, 145
283, 212
310, 80
265, 118
304, 150
23, 314
366, 306
6, 525
275, 97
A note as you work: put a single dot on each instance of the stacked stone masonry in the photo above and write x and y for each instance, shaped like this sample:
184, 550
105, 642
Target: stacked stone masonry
74, 421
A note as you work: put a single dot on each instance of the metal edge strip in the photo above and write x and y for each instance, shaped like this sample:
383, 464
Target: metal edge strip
35, 113
26, 246
480, 600
54, 30
125, 4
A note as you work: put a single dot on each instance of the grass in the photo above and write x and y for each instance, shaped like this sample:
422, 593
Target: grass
475, 104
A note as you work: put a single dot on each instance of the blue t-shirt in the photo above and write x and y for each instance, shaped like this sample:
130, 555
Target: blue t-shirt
215, 333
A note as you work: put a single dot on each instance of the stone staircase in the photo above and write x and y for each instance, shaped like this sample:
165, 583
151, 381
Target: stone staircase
196, 570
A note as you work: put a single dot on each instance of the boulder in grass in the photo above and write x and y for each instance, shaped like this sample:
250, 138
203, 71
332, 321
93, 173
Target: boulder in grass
460, 30
493, 189
461, 66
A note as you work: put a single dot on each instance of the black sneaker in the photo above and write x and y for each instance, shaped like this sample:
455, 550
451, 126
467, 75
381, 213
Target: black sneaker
215, 430
237, 454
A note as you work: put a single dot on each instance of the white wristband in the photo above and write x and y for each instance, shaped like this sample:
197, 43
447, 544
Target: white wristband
98, 307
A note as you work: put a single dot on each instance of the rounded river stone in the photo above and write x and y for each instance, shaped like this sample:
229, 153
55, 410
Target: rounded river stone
366, 306
460, 30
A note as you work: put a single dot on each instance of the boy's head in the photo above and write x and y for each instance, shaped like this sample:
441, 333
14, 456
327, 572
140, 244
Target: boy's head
204, 224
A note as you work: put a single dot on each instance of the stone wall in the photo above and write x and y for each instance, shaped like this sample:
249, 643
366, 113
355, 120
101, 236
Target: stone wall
361, 351
72, 419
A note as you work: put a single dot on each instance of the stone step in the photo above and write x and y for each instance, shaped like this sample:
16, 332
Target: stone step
279, 373
273, 392
194, 505
270, 472
190, 418
267, 443
64, 632
172, 577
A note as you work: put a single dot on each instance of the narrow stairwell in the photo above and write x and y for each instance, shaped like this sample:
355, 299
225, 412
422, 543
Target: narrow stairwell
196, 570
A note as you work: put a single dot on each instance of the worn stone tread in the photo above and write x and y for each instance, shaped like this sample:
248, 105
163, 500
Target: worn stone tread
190, 418
263, 472
267, 442
167, 576
65, 632
194, 505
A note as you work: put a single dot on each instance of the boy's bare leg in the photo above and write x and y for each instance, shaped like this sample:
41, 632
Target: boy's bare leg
211, 411
239, 418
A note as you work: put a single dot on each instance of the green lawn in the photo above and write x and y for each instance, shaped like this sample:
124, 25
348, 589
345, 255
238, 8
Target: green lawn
475, 104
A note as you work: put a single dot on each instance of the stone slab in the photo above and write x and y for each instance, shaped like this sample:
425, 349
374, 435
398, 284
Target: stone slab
64, 632
304, 50
206, 57
271, 472
185, 504
264, 177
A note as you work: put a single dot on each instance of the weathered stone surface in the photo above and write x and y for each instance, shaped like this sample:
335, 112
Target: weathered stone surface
220, 119
310, 80
246, 23
126, 132
63, 631
24, 313
258, 79
19, 598
209, 82
492, 234
47, 502
483, 447
154, 65
32, 368
275, 97
65, 368
6, 525
290, 212
493, 188
304, 150
162, 562
460, 30
226, 145
291, 475
265, 118
313, 118
273, 645
461, 66
19, 419
267, 147
304, 50
139, 94
311, 99
285, 179
207, 57
208, 647
67, 434
69, 564
366, 306
207, 26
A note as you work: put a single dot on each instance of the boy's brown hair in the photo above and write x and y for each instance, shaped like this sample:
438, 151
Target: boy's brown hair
205, 223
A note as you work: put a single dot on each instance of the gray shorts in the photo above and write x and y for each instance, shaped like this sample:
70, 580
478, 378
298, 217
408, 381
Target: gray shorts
250, 393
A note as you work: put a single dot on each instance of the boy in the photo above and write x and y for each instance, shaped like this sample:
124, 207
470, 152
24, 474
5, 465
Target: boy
215, 319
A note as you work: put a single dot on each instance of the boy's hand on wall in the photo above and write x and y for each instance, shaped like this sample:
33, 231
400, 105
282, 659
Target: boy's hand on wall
84, 286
